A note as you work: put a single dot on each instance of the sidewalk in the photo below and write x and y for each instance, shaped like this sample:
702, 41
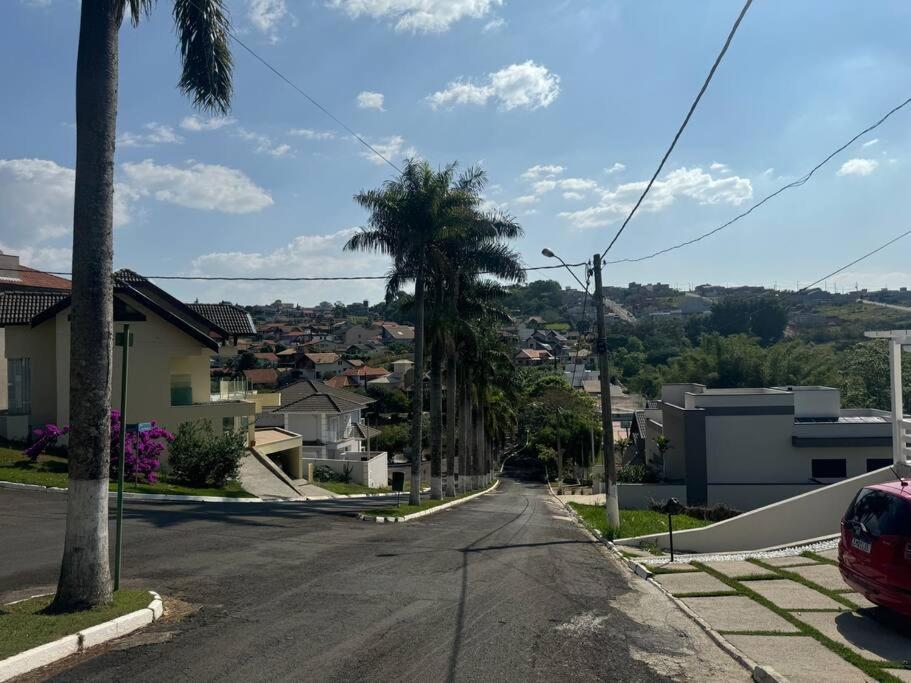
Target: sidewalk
795, 615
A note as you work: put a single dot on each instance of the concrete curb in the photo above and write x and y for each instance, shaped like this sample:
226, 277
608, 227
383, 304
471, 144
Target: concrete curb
40, 656
759, 673
431, 511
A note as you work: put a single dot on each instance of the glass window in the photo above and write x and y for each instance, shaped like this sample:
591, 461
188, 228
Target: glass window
825, 468
874, 464
19, 387
181, 390
881, 513
227, 424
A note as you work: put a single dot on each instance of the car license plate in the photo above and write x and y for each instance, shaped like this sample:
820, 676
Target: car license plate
863, 546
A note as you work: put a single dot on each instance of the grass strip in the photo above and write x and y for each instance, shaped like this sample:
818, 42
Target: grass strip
27, 624
756, 577
818, 558
706, 594
662, 570
759, 633
402, 510
797, 578
875, 670
633, 522
349, 489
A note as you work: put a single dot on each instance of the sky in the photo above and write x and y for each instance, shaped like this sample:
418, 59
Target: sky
568, 105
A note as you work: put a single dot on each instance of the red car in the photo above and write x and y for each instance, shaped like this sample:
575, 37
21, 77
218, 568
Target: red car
874, 553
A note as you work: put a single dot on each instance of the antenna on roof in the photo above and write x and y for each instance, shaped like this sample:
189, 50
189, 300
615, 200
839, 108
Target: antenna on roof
900, 479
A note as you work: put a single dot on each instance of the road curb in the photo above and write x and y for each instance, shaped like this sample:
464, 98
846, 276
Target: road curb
759, 673
425, 513
46, 654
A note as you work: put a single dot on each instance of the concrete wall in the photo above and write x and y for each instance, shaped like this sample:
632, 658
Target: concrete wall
373, 473
38, 344
803, 517
640, 496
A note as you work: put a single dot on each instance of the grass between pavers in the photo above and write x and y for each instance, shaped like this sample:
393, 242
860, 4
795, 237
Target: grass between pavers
816, 557
662, 570
706, 594
405, 509
26, 624
633, 522
875, 670
51, 470
797, 578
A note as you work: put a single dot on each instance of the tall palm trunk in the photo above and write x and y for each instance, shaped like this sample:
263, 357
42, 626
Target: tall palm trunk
85, 578
436, 420
414, 497
465, 442
477, 446
452, 402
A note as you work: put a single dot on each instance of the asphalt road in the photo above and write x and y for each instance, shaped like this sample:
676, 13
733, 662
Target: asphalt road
502, 588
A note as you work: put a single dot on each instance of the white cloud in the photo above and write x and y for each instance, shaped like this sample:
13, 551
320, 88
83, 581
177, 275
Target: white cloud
310, 134
154, 134
305, 255
573, 196
518, 86
36, 203
617, 167
494, 25
693, 183
542, 171
769, 172
392, 147
197, 123
198, 186
577, 184
418, 16
718, 166
543, 186
371, 100
263, 144
858, 167
870, 143
527, 199
267, 16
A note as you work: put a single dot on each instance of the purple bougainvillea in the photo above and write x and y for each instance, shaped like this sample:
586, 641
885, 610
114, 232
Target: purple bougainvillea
142, 450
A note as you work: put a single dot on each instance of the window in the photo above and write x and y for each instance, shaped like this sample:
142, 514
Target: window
227, 424
19, 388
181, 390
829, 469
882, 514
874, 464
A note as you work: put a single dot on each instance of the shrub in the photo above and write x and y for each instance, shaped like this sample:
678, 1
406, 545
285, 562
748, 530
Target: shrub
713, 513
325, 473
637, 474
200, 457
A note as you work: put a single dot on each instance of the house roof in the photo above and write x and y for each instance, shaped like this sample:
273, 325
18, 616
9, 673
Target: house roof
262, 375
270, 357
354, 362
322, 358
29, 278
287, 352
340, 382
311, 396
20, 307
360, 431
365, 371
399, 332
536, 354
592, 386
231, 318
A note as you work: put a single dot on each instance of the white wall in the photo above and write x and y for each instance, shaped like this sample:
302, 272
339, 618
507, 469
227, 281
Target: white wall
373, 473
640, 496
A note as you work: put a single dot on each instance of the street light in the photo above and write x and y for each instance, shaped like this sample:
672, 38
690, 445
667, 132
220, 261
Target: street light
549, 254
612, 507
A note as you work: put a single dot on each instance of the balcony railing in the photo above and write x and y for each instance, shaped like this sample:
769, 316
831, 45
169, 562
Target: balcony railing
906, 438
231, 390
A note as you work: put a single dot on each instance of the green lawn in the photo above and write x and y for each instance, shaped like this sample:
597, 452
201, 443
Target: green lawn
348, 489
405, 509
25, 625
634, 522
50, 470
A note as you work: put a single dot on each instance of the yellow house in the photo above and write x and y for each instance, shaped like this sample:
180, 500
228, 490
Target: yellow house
169, 360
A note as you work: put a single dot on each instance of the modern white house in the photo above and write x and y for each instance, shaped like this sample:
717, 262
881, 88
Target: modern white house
748, 447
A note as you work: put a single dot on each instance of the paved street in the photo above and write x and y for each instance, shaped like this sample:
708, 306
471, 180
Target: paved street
502, 588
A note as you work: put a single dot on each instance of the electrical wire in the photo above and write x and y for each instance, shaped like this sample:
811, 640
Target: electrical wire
797, 183
683, 126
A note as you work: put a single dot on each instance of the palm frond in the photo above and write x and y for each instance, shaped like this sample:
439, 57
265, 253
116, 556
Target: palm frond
203, 28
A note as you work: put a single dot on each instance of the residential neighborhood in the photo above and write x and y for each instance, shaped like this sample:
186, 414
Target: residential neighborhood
444, 340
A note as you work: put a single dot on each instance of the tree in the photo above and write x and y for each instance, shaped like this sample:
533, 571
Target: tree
202, 27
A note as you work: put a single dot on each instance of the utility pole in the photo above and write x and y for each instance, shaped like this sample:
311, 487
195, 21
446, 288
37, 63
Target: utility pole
612, 505
124, 339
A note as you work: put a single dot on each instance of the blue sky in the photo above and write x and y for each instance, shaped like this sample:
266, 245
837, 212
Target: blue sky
567, 105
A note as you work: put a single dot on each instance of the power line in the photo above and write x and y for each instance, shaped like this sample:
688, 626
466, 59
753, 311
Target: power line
856, 261
689, 114
231, 278
311, 99
797, 183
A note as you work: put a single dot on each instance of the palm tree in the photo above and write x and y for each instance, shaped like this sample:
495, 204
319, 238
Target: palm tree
409, 216
202, 27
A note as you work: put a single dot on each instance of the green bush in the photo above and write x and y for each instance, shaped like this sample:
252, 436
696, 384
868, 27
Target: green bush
713, 513
325, 473
637, 474
199, 457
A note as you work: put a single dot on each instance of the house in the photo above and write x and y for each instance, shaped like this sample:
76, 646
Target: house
262, 378
329, 420
749, 447
16, 277
360, 334
397, 334
286, 357
532, 357
267, 358
693, 304
173, 344
363, 374
320, 365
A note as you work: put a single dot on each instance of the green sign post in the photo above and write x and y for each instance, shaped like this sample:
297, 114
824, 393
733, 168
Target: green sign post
123, 339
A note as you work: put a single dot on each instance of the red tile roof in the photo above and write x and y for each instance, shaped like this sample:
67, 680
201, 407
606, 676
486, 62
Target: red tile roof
262, 375
365, 371
32, 279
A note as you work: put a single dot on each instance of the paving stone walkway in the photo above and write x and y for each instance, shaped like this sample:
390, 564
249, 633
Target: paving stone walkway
800, 624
